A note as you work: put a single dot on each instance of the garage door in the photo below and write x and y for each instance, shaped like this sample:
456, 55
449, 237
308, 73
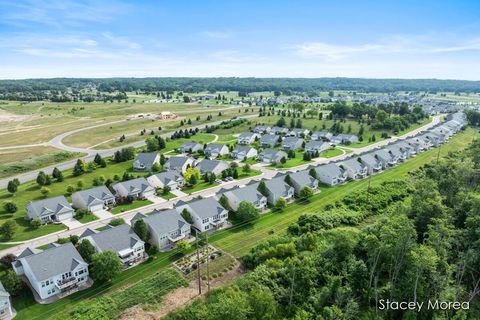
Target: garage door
149, 194
65, 216
97, 207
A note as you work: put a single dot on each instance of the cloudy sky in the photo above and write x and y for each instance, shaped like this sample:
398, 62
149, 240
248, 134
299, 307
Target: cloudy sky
260, 38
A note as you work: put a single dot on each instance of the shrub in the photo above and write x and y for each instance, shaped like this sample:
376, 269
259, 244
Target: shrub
36, 223
10, 207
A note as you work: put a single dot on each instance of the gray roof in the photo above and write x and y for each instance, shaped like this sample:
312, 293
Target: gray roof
178, 161
146, 158
246, 135
207, 165
345, 136
322, 133
299, 130
248, 193
168, 176
353, 163
369, 159
273, 154
394, 149
54, 261
291, 141
302, 178
48, 206
135, 185
269, 138
278, 186
203, 208
115, 239
96, 194
3, 292
383, 154
314, 144
242, 149
330, 169
27, 252
165, 221
190, 144
215, 147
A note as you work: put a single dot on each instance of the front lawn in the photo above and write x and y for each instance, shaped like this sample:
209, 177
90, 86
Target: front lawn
297, 161
330, 153
251, 173
199, 186
88, 218
166, 196
130, 206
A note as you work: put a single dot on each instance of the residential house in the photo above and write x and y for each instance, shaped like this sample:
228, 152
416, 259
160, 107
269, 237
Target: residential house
301, 179
247, 137
385, 157
292, 143
314, 146
277, 188
406, 148
246, 194
190, 147
330, 174
179, 163
214, 150
371, 162
355, 169
166, 227
6, 310
54, 272
145, 161
136, 188
397, 153
243, 152
49, 210
272, 156
298, 132
262, 129
121, 239
345, 139
434, 139
207, 214
269, 140
279, 131
212, 166
94, 199
172, 179
322, 135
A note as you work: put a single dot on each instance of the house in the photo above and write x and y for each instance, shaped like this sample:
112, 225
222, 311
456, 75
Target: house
54, 272
355, 169
425, 144
397, 153
207, 214
172, 179
298, 132
136, 188
416, 145
165, 227
212, 166
301, 179
330, 174
94, 199
49, 210
432, 138
345, 138
179, 163
322, 135
279, 131
262, 129
6, 310
190, 147
292, 143
120, 239
214, 150
277, 188
269, 140
406, 148
248, 194
314, 146
243, 152
371, 162
145, 161
385, 157
247, 137
272, 156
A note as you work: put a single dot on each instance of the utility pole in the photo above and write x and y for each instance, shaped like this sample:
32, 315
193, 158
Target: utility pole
198, 266
368, 189
208, 258
438, 153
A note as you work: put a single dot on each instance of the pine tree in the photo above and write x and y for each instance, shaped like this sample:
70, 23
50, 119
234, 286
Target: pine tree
41, 178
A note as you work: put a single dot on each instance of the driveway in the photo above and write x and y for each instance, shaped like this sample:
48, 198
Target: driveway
103, 214
72, 223
178, 193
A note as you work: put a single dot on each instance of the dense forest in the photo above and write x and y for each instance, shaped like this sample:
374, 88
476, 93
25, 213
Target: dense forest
40, 87
414, 240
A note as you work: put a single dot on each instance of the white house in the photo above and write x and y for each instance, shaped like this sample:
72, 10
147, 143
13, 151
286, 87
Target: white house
314, 146
355, 169
247, 137
179, 163
243, 152
49, 210
173, 179
246, 194
214, 150
212, 166
94, 199
330, 174
207, 214
6, 310
137, 188
145, 161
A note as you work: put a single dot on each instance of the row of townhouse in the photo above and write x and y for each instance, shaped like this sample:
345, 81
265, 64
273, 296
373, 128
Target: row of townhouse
260, 131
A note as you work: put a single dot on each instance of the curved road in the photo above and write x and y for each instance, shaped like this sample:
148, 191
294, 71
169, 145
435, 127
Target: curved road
57, 142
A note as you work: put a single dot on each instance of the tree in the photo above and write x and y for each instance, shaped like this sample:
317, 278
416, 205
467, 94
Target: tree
35, 223
187, 216
7, 229
156, 167
280, 204
7, 260
141, 229
152, 144
246, 168
381, 116
12, 186
183, 246
306, 193
262, 188
163, 160
45, 191
281, 122
10, 207
41, 178
247, 212
283, 160
12, 283
166, 190
70, 189
105, 266
192, 180
57, 174
86, 250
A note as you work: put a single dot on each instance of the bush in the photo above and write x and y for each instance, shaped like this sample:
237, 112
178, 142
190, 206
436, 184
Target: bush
36, 223
116, 222
10, 207
7, 260
12, 283
80, 213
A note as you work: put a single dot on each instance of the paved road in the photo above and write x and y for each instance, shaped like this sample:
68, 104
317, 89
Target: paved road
266, 173
57, 142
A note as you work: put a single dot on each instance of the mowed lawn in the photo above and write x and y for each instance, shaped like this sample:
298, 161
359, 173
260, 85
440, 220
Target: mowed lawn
236, 240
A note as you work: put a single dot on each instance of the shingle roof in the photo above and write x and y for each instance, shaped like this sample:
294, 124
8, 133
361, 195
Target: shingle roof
168, 176
165, 221
248, 193
353, 163
146, 158
178, 161
115, 239
54, 261
95, 195
330, 170
302, 177
207, 165
291, 141
215, 147
269, 138
48, 206
204, 208
138, 185
314, 144
242, 149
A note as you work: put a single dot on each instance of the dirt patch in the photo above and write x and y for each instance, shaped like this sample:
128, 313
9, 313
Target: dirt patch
181, 297
6, 116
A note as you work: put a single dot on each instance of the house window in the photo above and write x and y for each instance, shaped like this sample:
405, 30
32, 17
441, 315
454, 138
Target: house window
207, 227
205, 220
43, 284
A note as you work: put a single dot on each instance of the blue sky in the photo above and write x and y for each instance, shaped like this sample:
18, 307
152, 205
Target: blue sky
372, 39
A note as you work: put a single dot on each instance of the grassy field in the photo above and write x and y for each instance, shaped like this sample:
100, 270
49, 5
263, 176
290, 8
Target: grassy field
330, 153
236, 240
15, 161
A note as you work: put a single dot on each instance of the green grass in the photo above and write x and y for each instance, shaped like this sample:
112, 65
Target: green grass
251, 173
6, 246
166, 196
199, 186
88, 218
130, 206
330, 153
297, 161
